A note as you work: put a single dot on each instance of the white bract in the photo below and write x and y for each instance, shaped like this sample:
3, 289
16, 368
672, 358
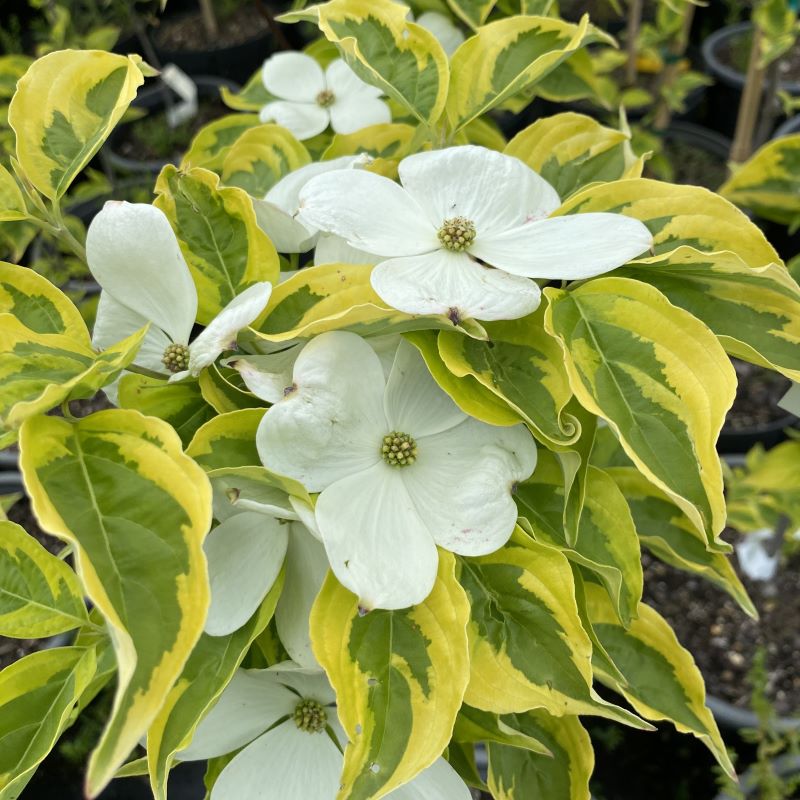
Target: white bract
133, 254
285, 720
399, 467
275, 214
309, 99
457, 213
446, 32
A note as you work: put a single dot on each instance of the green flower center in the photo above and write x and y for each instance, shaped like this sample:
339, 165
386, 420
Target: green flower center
176, 357
399, 449
310, 716
325, 98
457, 233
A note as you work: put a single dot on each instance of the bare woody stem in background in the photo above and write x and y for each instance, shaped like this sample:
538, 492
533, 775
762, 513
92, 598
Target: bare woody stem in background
677, 49
634, 23
209, 18
750, 104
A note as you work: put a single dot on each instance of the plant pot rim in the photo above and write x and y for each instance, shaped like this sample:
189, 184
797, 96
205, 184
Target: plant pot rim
154, 166
728, 75
11, 480
712, 141
787, 128
786, 421
734, 718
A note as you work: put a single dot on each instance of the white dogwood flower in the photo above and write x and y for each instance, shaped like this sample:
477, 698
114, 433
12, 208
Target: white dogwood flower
447, 33
310, 99
285, 720
133, 254
399, 467
454, 212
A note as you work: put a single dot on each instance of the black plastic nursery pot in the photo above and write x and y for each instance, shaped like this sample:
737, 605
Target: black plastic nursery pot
698, 154
154, 99
729, 78
179, 40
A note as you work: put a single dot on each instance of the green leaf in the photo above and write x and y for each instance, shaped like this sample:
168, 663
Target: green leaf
662, 681
64, 108
39, 594
521, 364
117, 486
678, 215
37, 696
572, 151
517, 774
39, 371
216, 227
507, 56
228, 440
387, 140
606, 543
754, 311
208, 671
252, 97
399, 678
660, 379
474, 725
180, 404
769, 182
667, 532
213, 141
386, 50
39, 305
224, 390
472, 12
528, 647
12, 203
338, 297
260, 157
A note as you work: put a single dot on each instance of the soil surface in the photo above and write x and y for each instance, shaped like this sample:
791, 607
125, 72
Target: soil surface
693, 165
735, 52
187, 32
151, 139
724, 640
757, 395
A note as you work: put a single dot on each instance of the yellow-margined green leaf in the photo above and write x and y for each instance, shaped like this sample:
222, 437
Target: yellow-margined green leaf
213, 141
606, 543
666, 531
339, 297
471, 396
755, 311
180, 404
678, 215
118, 486
207, 672
528, 647
38, 304
522, 365
39, 593
571, 151
15, 238
224, 390
12, 203
661, 380
474, 725
399, 678
484, 132
662, 680
507, 56
252, 97
473, 12
386, 50
517, 774
228, 440
577, 78
65, 106
769, 182
260, 157
37, 696
388, 140
216, 227
40, 370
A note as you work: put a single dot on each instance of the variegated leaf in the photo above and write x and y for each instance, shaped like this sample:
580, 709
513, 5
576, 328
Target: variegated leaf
399, 678
118, 487
661, 380
213, 141
64, 108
